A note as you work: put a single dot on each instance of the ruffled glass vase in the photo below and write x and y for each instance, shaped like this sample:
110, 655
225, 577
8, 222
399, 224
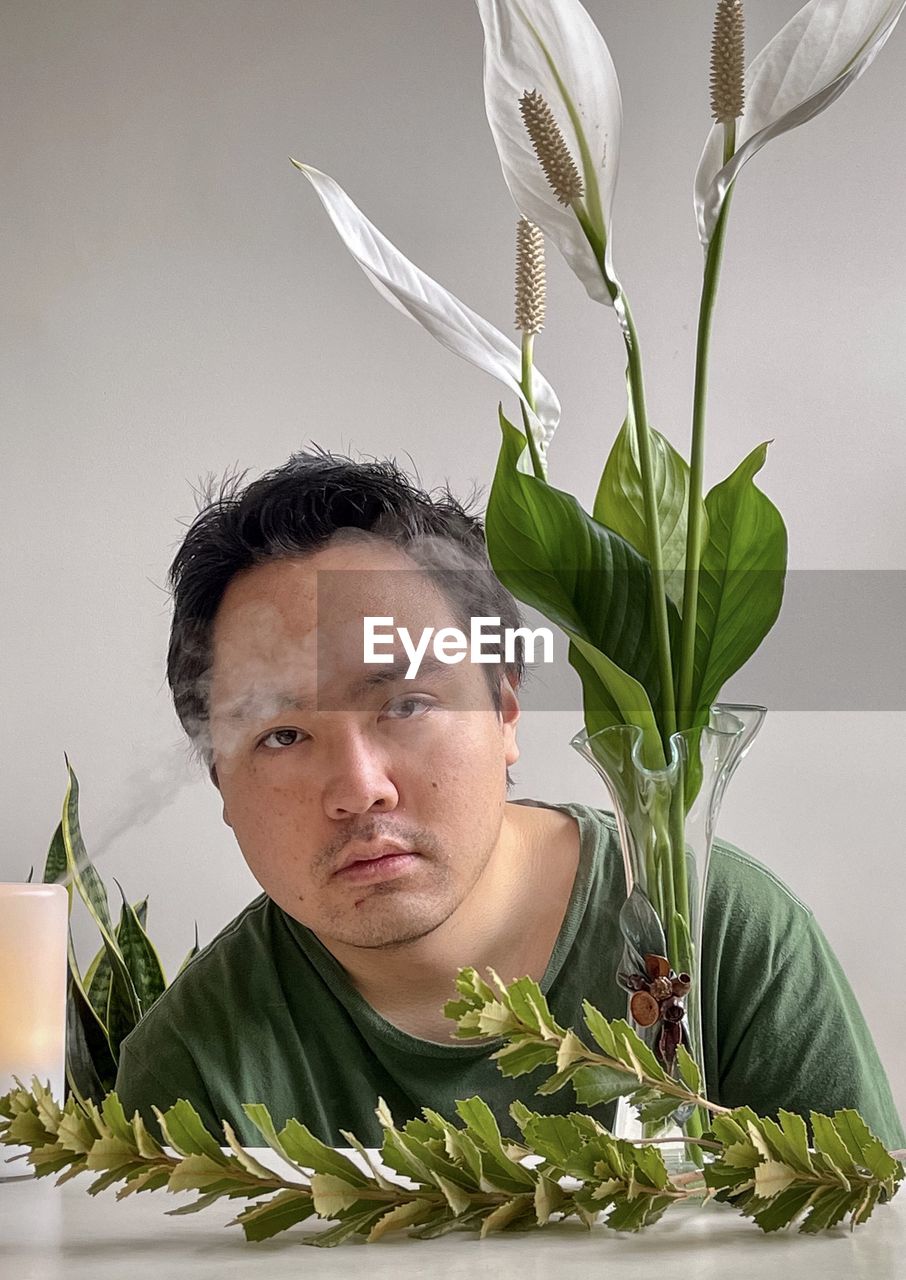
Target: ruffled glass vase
666, 818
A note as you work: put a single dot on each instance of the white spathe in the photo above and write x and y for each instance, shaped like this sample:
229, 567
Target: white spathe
553, 46
818, 54
411, 291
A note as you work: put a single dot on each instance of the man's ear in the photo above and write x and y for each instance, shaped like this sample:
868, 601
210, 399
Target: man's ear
213, 772
509, 716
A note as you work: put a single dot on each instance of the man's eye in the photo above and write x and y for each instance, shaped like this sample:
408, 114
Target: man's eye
277, 733
423, 703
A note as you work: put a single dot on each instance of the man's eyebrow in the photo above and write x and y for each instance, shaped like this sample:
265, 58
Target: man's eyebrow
386, 673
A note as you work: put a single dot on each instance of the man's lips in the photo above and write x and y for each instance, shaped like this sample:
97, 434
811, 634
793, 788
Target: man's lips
376, 861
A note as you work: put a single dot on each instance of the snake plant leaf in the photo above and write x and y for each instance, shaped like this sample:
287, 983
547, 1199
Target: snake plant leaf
741, 585
55, 866
555, 557
414, 293
554, 48
90, 1062
139, 955
126, 1006
98, 975
620, 504
822, 50
192, 953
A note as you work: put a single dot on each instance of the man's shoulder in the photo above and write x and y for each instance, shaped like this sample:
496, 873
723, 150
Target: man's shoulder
734, 873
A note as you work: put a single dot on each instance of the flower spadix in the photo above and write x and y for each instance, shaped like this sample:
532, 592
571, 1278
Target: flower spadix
546, 67
411, 291
808, 64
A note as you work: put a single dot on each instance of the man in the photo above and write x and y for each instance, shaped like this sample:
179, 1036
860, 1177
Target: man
372, 810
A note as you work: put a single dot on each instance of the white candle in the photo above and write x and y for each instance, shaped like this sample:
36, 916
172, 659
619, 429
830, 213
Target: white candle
33, 934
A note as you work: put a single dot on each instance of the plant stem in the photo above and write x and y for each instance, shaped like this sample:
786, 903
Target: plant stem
667, 720
694, 521
653, 531
528, 340
698, 1142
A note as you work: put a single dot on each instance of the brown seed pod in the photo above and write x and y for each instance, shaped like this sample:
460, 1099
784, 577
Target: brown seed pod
672, 1010
657, 966
634, 980
644, 1008
661, 988
682, 984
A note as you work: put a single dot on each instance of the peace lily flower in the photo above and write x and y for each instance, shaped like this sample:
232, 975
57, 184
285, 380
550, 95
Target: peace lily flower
549, 54
820, 52
410, 290
826, 46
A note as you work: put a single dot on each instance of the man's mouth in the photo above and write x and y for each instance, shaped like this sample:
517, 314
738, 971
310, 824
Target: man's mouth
382, 861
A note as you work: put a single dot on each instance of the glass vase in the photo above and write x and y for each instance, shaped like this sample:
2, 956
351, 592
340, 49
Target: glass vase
666, 818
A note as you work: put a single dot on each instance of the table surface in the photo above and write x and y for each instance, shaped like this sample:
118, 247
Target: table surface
61, 1233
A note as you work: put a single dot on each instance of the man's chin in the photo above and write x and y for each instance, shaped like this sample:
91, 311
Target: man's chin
380, 925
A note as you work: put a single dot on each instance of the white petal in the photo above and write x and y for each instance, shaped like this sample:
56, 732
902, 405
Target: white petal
520, 35
413, 292
809, 63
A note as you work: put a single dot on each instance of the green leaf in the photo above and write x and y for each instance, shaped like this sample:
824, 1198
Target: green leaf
184, 1131
56, 866
482, 1127
191, 955
555, 1137
595, 1085
828, 1140
402, 1215
457, 1197
140, 956
790, 1140
90, 1061
636, 1053
784, 1207
632, 1215
620, 501
309, 1152
650, 1164
629, 698
688, 1069
829, 1207
508, 1213
555, 557
124, 1009
526, 999
360, 1223
520, 1057
600, 1029
863, 1146
115, 1118
284, 1210
772, 1177
331, 1195
203, 1173
260, 1117
741, 582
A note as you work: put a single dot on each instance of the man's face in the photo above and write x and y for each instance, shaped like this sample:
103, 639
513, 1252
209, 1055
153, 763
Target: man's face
418, 762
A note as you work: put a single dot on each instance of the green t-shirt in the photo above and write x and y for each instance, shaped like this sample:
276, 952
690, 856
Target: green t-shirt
266, 1014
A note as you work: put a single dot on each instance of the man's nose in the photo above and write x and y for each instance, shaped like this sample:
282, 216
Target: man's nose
359, 777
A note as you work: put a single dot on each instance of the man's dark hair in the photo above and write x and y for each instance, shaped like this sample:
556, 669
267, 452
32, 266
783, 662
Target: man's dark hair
296, 510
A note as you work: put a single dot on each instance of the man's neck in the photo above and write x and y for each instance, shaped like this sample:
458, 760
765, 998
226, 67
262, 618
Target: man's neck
509, 922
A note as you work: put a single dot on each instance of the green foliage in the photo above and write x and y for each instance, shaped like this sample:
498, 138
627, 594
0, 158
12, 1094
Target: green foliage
467, 1176
125, 977
585, 578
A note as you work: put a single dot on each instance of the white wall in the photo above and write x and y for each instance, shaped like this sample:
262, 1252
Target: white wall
174, 302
